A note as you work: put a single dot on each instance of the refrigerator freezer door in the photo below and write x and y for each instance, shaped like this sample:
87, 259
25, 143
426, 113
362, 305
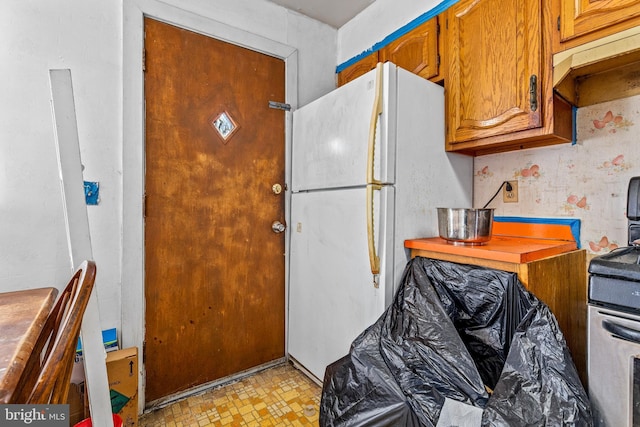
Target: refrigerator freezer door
332, 298
331, 138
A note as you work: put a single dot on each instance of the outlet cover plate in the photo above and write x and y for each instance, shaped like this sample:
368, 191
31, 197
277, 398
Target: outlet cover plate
510, 196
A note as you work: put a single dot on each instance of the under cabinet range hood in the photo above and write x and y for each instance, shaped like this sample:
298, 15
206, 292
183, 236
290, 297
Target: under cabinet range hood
599, 71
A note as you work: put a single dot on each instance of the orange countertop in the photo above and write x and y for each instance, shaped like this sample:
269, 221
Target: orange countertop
500, 248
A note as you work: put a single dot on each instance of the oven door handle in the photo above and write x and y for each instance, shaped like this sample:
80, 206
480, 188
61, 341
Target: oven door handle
622, 332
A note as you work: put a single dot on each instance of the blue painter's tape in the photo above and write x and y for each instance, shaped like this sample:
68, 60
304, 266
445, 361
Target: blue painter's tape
353, 60
574, 132
573, 223
91, 192
444, 5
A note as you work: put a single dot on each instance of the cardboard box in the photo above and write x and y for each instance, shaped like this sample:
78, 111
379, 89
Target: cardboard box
110, 342
122, 371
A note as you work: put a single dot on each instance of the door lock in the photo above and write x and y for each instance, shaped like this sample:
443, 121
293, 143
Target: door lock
278, 227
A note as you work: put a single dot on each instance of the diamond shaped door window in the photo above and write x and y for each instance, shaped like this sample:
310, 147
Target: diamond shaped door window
224, 125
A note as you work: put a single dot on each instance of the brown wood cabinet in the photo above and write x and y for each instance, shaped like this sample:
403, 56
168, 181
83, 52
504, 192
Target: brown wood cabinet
417, 51
498, 82
582, 21
357, 69
596, 50
560, 281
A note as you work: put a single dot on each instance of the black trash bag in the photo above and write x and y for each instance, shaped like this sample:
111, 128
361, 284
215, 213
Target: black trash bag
471, 334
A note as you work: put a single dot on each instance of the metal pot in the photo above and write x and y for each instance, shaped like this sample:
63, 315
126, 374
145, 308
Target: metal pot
465, 226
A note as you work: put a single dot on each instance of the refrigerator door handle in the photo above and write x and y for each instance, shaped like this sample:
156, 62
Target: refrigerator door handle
374, 259
377, 110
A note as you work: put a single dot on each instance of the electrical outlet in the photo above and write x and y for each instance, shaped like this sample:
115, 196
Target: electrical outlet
512, 195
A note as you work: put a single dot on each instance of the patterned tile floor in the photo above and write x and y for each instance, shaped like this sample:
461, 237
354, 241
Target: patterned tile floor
279, 396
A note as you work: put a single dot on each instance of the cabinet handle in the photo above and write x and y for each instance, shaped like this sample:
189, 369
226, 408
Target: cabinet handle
533, 92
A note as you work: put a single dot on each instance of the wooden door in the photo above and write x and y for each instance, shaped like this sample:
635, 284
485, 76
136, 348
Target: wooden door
416, 51
581, 17
358, 69
494, 52
214, 269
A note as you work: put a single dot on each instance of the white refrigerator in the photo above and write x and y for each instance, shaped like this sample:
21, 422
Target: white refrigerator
369, 170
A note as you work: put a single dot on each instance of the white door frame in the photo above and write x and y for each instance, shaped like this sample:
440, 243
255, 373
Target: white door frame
133, 146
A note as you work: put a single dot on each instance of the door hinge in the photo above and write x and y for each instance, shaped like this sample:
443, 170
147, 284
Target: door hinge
437, 28
533, 92
144, 205
438, 61
144, 352
279, 106
558, 23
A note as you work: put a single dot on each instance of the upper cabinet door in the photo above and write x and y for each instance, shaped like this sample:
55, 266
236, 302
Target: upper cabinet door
358, 69
581, 17
493, 80
416, 51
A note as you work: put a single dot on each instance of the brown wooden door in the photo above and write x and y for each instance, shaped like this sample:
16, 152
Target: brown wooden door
586, 16
416, 51
358, 69
494, 48
214, 269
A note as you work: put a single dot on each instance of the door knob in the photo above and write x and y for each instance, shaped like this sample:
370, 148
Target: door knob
276, 188
278, 227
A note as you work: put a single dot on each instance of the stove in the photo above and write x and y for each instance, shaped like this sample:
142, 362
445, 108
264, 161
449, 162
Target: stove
614, 279
614, 326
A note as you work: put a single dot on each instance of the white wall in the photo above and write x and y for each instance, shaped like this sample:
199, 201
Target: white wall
376, 22
86, 36
36, 36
